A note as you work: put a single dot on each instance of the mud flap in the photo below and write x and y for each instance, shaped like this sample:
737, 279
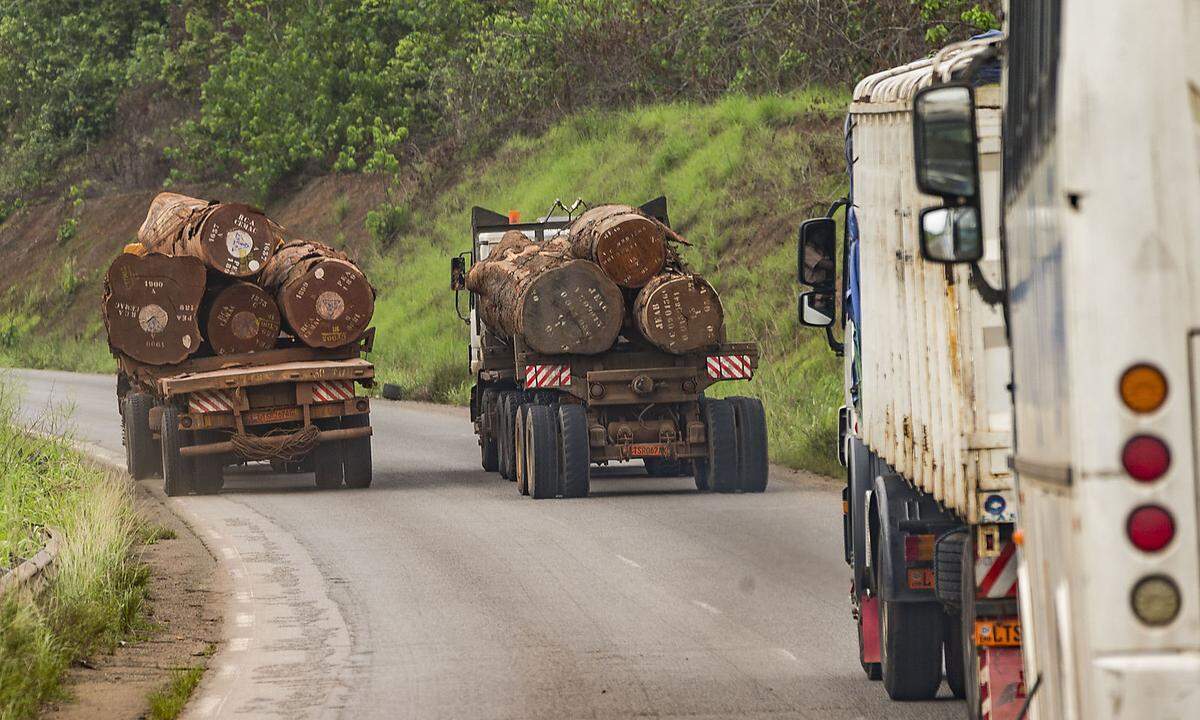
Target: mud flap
868, 614
1001, 683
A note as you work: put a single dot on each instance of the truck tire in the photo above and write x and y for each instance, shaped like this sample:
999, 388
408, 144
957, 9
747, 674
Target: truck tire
509, 402
541, 443
521, 451
142, 458
966, 635
952, 653
575, 461
489, 451
327, 460
753, 465
356, 454
208, 471
720, 469
910, 647
664, 467
177, 470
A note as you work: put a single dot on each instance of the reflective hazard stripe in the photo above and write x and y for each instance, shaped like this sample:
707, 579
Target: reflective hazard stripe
996, 577
547, 376
208, 401
730, 367
333, 390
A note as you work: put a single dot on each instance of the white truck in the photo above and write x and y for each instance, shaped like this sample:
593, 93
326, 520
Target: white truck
1101, 217
926, 427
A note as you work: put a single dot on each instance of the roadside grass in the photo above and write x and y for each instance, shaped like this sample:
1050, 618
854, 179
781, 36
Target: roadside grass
739, 175
97, 591
168, 702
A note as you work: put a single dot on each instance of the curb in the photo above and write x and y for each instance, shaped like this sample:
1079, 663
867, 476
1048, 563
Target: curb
35, 572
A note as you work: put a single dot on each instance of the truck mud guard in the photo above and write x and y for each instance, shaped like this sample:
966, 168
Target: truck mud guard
908, 523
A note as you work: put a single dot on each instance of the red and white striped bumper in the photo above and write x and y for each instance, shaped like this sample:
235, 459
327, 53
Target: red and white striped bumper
209, 401
547, 376
333, 391
730, 367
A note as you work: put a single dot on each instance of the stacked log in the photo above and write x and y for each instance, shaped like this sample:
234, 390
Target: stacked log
539, 292
231, 238
324, 298
150, 306
679, 313
214, 278
629, 247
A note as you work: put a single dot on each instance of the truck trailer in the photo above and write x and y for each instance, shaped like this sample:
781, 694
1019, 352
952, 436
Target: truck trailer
925, 431
544, 420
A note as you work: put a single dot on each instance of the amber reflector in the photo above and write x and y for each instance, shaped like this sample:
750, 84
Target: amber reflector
1143, 388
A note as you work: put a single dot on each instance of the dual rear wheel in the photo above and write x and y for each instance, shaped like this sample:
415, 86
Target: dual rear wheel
737, 447
555, 455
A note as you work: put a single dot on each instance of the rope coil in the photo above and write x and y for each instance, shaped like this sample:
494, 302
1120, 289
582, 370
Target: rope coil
275, 445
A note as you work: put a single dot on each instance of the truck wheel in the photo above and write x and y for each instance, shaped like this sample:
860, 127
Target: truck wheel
753, 465
356, 454
327, 460
720, 468
952, 652
521, 451
208, 470
576, 457
663, 467
910, 649
966, 633
142, 458
489, 451
177, 470
541, 442
509, 402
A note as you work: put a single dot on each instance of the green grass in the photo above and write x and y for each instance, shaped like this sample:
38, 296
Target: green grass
98, 589
739, 176
168, 702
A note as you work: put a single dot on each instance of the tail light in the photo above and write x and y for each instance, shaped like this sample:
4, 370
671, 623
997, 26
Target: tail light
1143, 388
918, 548
1155, 600
1146, 458
1150, 528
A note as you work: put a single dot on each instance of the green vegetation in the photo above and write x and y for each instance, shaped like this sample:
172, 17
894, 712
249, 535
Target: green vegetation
168, 702
739, 175
98, 589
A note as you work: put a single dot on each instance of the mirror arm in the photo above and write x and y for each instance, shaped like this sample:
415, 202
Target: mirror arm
991, 295
837, 347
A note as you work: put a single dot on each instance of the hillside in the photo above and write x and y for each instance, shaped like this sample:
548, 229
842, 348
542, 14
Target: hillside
739, 174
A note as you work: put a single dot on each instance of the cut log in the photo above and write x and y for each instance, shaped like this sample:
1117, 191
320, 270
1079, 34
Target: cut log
150, 306
231, 238
324, 299
628, 246
679, 313
238, 318
538, 292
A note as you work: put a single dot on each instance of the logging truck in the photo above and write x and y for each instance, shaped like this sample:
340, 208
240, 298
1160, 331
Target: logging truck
294, 406
543, 419
925, 432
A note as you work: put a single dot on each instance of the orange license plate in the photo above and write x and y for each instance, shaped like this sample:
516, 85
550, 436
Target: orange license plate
920, 578
998, 633
648, 450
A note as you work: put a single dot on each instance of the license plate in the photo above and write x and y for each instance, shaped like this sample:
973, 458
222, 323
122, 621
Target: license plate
262, 417
648, 450
920, 578
998, 633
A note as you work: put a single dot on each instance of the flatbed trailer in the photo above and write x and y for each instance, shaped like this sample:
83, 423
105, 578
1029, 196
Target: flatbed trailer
295, 407
543, 420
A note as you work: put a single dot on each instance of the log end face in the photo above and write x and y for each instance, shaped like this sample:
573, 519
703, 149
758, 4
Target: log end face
631, 249
237, 240
151, 304
330, 305
242, 318
680, 314
573, 309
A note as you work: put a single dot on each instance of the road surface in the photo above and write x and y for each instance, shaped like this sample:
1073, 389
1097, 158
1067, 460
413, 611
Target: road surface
441, 593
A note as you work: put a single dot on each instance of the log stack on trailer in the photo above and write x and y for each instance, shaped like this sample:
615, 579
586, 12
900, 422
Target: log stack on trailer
234, 344
593, 342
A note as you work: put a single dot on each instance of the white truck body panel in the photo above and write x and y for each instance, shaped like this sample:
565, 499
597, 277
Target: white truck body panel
1103, 243
934, 356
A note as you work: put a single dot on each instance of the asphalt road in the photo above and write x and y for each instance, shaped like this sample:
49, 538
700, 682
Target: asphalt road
441, 593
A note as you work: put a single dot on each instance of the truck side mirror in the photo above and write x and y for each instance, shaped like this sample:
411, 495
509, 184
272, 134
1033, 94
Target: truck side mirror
817, 308
945, 142
458, 273
951, 234
815, 253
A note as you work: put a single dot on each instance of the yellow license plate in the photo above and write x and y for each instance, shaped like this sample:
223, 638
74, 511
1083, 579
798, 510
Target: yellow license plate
998, 633
647, 450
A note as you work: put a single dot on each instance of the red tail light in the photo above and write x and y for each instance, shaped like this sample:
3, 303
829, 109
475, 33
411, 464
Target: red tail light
1151, 528
918, 548
1146, 458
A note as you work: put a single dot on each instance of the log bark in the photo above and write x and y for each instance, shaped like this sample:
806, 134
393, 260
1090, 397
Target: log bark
150, 306
540, 293
231, 238
679, 313
628, 246
324, 299
239, 317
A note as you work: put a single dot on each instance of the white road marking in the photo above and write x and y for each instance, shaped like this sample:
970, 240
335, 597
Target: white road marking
242, 596
207, 706
244, 620
239, 644
787, 654
706, 606
627, 561
229, 552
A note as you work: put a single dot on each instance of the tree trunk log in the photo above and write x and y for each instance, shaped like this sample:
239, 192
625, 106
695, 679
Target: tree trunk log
231, 238
238, 318
325, 300
679, 313
554, 303
150, 306
628, 246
